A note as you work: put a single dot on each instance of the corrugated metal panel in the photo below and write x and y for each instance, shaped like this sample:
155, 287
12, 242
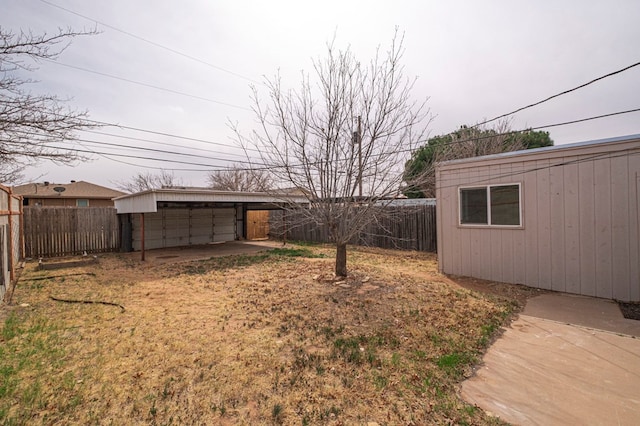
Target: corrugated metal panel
581, 224
175, 227
140, 203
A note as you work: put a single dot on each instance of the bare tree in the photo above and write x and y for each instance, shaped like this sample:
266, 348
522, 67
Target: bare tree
343, 140
239, 179
30, 123
147, 181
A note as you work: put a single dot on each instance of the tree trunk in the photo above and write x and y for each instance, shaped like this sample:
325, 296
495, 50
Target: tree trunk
341, 260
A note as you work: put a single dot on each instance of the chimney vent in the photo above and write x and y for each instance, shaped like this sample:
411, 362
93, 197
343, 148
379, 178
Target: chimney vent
46, 183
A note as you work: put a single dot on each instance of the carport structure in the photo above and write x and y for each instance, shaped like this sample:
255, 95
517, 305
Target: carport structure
175, 217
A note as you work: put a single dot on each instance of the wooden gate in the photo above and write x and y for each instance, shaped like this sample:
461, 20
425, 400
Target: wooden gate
257, 225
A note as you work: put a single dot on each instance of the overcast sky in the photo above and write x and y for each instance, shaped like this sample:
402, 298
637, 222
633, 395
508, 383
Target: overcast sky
474, 60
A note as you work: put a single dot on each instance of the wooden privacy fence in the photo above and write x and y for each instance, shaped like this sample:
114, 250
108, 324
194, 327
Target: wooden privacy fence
10, 242
405, 228
60, 231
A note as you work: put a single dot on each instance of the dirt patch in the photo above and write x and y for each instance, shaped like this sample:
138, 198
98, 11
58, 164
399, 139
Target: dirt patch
67, 263
261, 339
630, 310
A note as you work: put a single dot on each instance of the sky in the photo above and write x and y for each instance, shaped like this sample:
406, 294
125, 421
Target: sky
473, 61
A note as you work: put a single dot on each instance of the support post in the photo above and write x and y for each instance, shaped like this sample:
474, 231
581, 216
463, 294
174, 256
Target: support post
142, 236
284, 227
359, 158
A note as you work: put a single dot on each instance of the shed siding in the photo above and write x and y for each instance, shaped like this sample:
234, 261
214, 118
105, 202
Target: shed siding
542, 223
602, 225
580, 230
634, 250
586, 197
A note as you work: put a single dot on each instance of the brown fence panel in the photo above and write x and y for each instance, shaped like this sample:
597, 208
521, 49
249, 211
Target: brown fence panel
406, 228
60, 231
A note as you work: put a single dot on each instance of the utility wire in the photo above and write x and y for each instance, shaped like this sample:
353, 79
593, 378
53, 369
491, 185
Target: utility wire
154, 132
161, 151
153, 43
164, 89
559, 94
270, 167
173, 169
513, 132
163, 143
481, 137
139, 148
88, 151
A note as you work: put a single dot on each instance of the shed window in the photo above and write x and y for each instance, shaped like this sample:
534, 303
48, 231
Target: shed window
82, 202
494, 205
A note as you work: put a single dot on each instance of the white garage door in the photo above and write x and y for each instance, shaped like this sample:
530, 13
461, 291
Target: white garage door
182, 227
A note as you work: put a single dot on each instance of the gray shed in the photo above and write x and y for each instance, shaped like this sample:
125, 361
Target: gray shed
174, 217
563, 218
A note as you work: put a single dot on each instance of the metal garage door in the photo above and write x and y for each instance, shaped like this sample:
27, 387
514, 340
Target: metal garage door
176, 227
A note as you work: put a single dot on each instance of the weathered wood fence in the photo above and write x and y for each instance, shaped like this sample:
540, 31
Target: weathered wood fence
60, 231
10, 242
405, 228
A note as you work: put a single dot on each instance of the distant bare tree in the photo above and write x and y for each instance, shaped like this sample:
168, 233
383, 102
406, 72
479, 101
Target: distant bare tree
146, 181
342, 140
30, 123
239, 179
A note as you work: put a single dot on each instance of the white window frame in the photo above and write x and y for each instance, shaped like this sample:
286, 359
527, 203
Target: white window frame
488, 198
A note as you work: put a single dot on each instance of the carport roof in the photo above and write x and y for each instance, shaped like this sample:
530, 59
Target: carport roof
147, 201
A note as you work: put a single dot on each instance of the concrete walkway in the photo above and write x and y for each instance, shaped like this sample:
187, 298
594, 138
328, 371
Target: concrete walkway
565, 360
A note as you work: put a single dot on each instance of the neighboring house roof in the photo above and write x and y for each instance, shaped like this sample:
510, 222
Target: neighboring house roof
78, 189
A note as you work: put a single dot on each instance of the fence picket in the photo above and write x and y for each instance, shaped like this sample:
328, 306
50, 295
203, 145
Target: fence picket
60, 231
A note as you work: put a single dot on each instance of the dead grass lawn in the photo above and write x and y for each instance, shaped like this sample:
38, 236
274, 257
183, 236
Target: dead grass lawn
267, 339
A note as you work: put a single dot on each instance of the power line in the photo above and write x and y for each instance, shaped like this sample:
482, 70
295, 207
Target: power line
108, 157
164, 89
268, 167
140, 148
139, 157
153, 43
161, 151
163, 143
513, 132
559, 94
154, 132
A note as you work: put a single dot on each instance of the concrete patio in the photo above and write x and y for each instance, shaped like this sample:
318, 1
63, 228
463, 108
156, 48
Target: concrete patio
565, 360
204, 251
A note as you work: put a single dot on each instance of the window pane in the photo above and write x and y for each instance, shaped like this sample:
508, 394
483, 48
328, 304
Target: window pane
505, 205
82, 203
473, 206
